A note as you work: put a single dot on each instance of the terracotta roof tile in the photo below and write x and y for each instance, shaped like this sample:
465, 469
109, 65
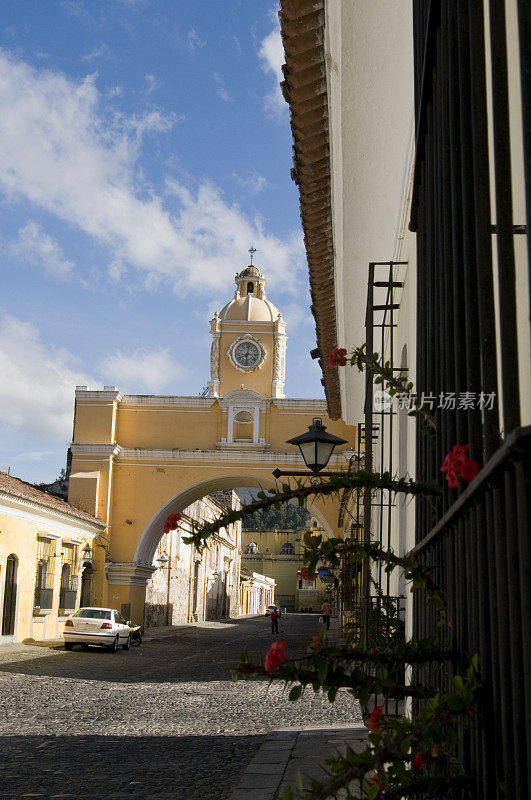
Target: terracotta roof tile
27, 491
304, 88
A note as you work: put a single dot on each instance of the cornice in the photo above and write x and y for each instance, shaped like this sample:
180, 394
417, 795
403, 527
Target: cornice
102, 450
44, 516
285, 404
104, 395
128, 574
166, 400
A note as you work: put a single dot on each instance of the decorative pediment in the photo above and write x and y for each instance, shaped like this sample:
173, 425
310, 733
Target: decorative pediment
243, 399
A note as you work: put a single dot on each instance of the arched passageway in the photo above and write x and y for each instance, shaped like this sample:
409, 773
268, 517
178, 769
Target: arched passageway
151, 535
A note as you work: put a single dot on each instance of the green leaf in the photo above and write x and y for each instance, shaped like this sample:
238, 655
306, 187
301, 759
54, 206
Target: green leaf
295, 693
458, 683
287, 793
451, 737
298, 781
332, 692
322, 669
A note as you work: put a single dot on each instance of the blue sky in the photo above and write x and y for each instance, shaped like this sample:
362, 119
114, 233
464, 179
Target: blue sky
144, 147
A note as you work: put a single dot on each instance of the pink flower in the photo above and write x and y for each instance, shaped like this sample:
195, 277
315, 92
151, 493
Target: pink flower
458, 466
337, 358
374, 723
274, 656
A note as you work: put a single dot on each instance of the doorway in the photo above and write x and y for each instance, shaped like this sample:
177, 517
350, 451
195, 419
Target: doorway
10, 597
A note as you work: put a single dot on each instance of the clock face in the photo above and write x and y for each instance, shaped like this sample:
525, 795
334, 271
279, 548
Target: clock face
247, 354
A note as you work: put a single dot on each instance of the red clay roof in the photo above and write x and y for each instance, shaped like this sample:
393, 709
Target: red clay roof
305, 90
27, 491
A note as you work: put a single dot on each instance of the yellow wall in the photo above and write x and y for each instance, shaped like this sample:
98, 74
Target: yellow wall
18, 536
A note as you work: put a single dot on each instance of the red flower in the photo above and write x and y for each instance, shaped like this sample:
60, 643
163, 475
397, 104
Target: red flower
274, 656
374, 723
337, 358
308, 538
469, 470
376, 779
421, 760
172, 522
458, 466
305, 573
380, 629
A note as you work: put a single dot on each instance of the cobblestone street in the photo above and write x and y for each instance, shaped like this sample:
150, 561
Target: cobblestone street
160, 721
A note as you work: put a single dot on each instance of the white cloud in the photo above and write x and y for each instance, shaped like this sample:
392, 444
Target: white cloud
38, 382
103, 51
271, 54
35, 247
62, 154
151, 82
253, 182
142, 370
221, 89
194, 41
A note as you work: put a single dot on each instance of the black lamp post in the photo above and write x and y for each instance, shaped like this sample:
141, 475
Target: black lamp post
316, 446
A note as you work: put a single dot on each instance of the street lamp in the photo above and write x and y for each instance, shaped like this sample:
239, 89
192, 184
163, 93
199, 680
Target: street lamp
86, 553
316, 446
162, 561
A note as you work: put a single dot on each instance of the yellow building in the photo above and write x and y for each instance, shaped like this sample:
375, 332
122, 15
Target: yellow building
138, 458
279, 553
257, 592
46, 561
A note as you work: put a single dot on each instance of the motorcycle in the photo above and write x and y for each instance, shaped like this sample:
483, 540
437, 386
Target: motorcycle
136, 634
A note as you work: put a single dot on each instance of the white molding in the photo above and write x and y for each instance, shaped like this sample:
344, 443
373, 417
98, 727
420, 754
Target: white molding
103, 450
246, 337
95, 394
287, 403
179, 456
257, 446
243, 399
166, 400
44, 516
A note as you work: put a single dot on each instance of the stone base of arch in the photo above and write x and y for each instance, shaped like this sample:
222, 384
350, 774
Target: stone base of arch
127, 586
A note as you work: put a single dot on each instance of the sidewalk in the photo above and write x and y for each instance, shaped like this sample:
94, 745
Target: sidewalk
288, 750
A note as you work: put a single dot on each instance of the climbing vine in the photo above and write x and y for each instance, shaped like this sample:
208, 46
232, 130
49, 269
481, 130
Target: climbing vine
406, 756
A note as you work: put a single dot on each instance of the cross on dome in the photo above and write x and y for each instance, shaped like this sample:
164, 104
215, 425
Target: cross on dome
252, 251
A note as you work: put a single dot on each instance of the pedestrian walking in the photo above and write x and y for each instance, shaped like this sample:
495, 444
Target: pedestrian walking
275, 616
326, 613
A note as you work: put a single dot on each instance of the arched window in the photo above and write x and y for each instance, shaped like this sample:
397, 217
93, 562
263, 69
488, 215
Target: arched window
250, 287
252, 549
287, 549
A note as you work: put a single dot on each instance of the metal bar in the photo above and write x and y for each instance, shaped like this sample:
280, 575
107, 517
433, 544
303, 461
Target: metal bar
504, 218
524, 26
518, 443
471, 312
482, 216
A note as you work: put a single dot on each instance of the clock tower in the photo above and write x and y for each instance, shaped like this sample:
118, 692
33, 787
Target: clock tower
248, 341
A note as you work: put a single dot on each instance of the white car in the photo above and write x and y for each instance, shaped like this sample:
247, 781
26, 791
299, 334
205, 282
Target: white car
102, 626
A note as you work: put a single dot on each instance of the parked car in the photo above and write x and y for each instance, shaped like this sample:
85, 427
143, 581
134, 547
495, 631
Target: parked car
269, 609
102, 626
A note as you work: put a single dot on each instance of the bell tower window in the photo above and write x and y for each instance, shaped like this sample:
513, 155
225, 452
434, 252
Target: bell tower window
250, 288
